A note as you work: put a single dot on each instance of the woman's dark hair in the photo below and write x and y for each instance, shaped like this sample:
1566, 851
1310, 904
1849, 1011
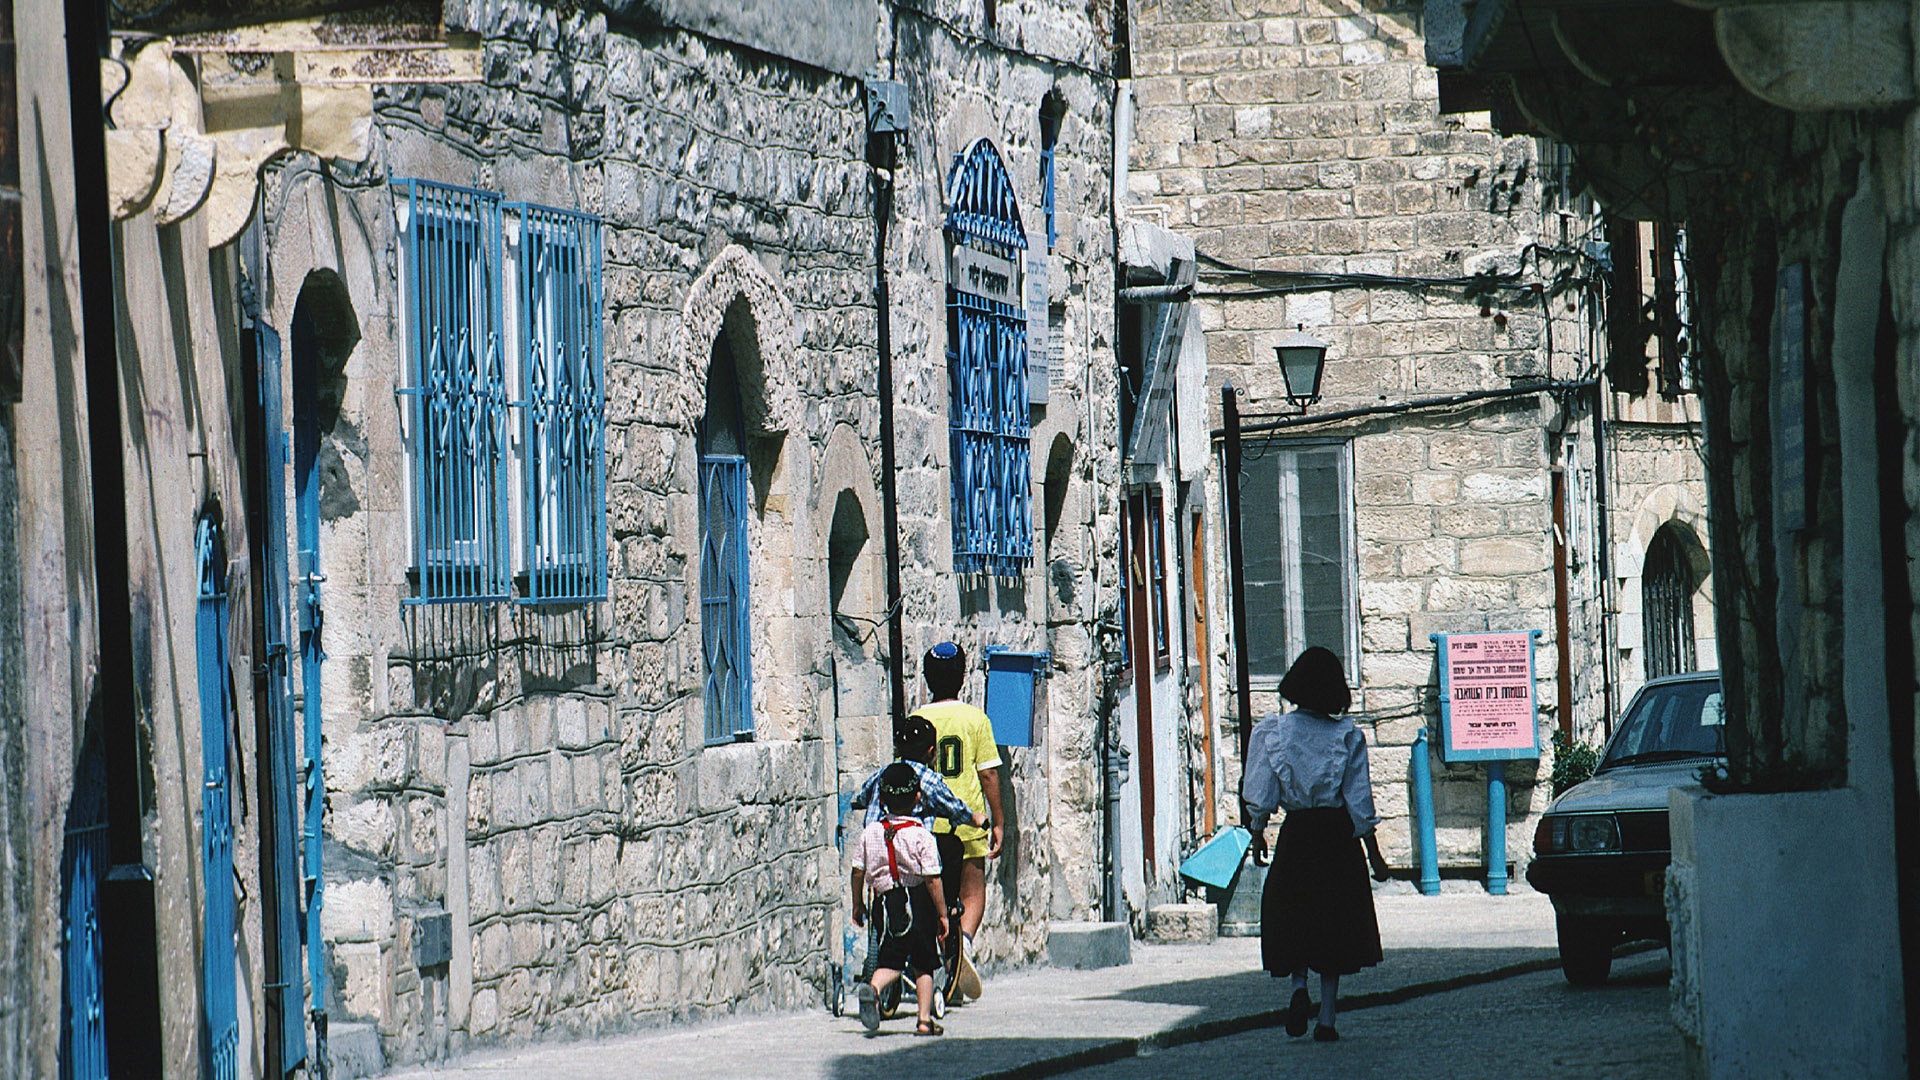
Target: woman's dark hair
1317, 683
945, 669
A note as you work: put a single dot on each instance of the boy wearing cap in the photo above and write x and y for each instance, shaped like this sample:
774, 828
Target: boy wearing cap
897, 857
969, 760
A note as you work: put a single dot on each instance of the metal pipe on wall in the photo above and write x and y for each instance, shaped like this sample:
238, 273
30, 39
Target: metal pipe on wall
129, 933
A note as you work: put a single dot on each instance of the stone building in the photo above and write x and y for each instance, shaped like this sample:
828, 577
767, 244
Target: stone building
1468, 465
1780, 138
512, 495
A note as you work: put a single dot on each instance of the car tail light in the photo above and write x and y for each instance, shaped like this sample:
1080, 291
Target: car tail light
1543, 835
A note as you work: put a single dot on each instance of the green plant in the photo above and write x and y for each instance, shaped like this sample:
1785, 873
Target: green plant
1573, 761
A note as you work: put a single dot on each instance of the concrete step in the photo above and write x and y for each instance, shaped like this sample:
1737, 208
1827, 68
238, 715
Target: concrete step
1087, 945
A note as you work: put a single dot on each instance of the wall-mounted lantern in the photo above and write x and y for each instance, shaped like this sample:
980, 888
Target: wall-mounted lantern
1302, 357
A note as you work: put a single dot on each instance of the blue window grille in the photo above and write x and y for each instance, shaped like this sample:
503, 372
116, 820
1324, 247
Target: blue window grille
220, 1024
992, 476
562, 372
725, 623
459, 392
1052, 110
83, 866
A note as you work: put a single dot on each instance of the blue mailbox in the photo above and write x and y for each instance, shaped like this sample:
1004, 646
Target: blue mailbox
1012, 679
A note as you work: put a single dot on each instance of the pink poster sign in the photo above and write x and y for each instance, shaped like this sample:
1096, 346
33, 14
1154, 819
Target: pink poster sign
1488, 681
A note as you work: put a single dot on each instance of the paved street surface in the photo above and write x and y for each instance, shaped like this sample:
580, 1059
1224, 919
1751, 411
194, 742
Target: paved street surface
1529, 1025
1469, 980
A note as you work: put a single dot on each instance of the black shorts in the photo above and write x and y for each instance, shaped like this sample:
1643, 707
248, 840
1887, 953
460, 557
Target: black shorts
909, 930
948, 844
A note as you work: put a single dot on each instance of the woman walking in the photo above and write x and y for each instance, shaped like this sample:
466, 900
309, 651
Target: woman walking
1317, 911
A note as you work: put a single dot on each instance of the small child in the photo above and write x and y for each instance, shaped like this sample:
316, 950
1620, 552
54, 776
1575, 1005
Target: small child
897, 857
913, 743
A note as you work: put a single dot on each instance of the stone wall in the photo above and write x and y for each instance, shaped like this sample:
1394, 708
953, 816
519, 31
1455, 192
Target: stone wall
538, 778
1307, 137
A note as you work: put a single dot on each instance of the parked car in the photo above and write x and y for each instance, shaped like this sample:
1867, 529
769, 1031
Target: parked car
1601, 850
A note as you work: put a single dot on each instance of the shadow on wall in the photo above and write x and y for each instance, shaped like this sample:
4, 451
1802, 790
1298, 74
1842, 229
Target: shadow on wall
473, 657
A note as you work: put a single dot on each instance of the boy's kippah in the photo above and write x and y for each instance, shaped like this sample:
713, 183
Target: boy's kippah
912, 730
899, 778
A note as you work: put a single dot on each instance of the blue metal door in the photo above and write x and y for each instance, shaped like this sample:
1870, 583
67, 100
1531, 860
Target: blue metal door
220, 1032
306, 502
83, 1031
285, 987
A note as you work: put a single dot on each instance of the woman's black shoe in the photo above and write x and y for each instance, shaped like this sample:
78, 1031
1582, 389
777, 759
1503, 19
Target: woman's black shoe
1297, 1011
1323, 1033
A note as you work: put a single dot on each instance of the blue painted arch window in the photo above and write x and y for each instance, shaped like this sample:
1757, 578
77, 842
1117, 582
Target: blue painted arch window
991, 468
726, 623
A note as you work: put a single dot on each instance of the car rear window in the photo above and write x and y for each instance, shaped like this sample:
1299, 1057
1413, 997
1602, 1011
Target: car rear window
1668, 723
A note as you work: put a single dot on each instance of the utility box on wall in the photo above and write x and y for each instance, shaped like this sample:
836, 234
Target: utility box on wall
1015, 693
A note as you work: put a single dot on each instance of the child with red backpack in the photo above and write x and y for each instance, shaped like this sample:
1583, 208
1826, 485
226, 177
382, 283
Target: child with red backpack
896, 857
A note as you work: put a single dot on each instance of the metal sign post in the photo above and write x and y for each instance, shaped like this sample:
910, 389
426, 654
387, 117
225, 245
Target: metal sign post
1488, 712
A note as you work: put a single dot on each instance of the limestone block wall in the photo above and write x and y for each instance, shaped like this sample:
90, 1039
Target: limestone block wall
959, 91
1307, 137
538, 777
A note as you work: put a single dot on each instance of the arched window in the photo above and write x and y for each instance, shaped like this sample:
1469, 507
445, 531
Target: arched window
725, 621
1666, 587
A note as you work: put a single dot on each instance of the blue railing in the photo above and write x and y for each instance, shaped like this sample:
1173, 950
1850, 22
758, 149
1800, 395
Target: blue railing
726, 629
220, 1024
562, 373
459, 392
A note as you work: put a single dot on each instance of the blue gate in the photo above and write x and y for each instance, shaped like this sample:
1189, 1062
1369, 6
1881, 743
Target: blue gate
220, 1025
83, 865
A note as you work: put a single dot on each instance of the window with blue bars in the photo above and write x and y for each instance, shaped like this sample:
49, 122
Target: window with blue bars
1053, 108
563, 467
991, 469
458, 390
726, 625
486, 368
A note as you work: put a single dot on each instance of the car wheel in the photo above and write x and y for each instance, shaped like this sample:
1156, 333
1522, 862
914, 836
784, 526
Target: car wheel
1586, 949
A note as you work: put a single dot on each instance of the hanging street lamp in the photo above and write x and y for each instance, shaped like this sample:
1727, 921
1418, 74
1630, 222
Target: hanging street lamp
1302, 358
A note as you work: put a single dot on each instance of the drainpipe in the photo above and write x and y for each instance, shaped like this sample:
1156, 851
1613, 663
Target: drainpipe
1236, 568
128, 932
889, 499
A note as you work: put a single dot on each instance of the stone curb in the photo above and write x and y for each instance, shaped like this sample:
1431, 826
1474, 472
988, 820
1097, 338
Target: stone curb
1206, 1030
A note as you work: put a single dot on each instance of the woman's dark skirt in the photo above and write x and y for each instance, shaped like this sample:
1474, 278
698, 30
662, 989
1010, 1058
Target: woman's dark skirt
1317, 910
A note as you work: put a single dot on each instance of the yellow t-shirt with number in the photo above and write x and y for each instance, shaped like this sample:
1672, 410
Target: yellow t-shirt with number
963, 746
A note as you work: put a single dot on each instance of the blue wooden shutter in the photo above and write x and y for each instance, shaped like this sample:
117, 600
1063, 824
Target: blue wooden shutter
725, 620
220, 1030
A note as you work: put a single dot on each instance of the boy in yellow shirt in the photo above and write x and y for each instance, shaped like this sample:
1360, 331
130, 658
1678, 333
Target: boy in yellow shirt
967, 757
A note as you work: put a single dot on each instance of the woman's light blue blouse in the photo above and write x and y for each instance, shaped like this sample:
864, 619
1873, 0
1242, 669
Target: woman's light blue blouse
1301, 760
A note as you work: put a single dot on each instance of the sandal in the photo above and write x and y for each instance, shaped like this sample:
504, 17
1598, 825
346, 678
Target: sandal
929, 1027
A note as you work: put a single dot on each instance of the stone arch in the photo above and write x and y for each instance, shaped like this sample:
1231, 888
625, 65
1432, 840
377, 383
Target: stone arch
739, 297
850, 503
1677, 507
736, 301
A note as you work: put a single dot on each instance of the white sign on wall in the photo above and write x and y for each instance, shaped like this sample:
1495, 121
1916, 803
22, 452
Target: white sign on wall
1039, 356
984, 274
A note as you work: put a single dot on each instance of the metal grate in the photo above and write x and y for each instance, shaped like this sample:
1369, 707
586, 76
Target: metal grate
1666, 584
992, 470
83, 866
725, 624
459, 391
220, 1034
564, 475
